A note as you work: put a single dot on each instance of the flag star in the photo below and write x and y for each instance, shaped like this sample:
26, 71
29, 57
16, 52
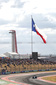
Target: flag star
33, 25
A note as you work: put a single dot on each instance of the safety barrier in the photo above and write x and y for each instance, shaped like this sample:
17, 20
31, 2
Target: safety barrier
6, 73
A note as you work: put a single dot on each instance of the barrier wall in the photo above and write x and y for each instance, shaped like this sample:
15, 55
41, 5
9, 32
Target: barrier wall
5, 73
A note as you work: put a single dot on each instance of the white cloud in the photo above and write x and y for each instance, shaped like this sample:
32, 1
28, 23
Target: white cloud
39, 6
9, 27
49, 31
52, 19
16, 16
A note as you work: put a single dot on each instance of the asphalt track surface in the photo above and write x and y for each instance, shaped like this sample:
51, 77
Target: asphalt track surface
29, 80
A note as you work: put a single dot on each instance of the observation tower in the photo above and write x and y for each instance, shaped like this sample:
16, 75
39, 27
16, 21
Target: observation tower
14, 41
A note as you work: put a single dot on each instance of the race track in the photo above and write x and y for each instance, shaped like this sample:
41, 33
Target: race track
28, 78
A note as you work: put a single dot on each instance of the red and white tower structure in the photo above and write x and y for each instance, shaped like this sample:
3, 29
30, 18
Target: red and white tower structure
14, 42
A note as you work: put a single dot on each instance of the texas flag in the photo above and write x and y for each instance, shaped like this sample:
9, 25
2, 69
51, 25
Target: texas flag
38, 31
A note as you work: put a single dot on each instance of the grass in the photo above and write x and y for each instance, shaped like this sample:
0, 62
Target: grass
3, 82
51, 78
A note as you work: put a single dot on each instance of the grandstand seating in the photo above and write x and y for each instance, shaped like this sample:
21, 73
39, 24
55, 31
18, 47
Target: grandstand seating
26, 65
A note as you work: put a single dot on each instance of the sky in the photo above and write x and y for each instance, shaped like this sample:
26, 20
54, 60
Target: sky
16, 15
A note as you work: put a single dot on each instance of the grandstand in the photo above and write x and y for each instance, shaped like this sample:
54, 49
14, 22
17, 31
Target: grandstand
24, 65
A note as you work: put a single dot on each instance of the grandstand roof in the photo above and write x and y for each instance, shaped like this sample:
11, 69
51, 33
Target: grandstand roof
11, 53
2, 55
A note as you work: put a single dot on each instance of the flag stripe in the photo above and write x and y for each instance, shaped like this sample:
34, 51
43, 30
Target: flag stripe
41, 36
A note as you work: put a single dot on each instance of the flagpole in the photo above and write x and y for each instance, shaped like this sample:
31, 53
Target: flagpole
31, 36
